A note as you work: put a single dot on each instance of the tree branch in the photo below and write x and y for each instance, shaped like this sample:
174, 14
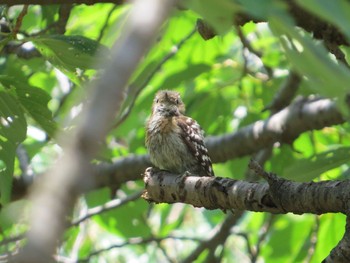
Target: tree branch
284, 126
278, 196
285, 94
115, 203
134, 241
19, 21
311, 23
341, 252
217, 237
54, 196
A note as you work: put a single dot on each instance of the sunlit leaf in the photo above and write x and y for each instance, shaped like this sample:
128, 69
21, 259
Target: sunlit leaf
219, 13
293, 230
34, 101
332, 227
48, 13
313, 61
70, 53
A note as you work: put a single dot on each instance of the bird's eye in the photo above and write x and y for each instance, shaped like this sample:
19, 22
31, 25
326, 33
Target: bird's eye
177, 101
157, 100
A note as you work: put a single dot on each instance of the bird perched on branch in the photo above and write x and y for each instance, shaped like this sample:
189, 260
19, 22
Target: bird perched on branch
174, 141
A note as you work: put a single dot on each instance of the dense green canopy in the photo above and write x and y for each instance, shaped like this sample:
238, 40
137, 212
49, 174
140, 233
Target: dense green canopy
266, 80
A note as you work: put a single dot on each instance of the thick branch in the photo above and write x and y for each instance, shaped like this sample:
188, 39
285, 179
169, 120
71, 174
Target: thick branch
54, 196
284, 126
278, 196
341, 252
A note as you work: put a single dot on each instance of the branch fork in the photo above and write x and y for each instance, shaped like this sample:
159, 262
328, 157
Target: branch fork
277, 195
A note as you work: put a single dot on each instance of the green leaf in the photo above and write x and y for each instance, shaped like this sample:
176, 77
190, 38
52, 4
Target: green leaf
313, 61
331, 230
281, 158
48, 13
189, 73
218, 13
69, 53
13, 129
11, 214
115, 221
264, 8
293, 230
309, 58
308, 169
34, 101
31, 20
167, 222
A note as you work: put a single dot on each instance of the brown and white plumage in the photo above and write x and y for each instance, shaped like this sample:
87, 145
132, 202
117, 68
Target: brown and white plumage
175, 142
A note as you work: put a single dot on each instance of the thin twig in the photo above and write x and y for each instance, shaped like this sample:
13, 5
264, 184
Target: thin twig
60, 24
217, 237
90, 213
9, 240
19, 20
246, 44
262, 236
285, 94
105, 25
257, 168
313, 240
166, 255
136, 241
245, 236
107, 206
337, 52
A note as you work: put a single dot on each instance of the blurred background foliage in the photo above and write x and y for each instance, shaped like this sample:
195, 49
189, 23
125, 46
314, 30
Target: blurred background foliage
225, 83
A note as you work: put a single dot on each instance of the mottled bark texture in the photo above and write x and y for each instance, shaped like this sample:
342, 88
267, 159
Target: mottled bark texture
341, 253
277, 196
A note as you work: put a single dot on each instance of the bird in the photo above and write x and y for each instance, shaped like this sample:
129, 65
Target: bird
175, 142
